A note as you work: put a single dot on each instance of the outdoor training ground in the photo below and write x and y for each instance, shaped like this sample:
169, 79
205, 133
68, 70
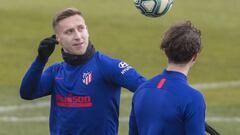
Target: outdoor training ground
118, 29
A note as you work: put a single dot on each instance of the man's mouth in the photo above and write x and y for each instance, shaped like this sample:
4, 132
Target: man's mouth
78, 44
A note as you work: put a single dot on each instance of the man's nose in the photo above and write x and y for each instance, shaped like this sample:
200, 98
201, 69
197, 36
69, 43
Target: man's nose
77, 35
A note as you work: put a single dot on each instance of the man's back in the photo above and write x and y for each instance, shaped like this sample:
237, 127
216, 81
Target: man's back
167, 105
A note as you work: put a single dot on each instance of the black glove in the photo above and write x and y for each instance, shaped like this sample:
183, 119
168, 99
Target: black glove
46, 47
210, 130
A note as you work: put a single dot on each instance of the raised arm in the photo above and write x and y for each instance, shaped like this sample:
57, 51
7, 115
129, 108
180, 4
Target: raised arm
37, 83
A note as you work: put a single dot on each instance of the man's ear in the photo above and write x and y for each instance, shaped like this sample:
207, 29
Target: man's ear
57, 38
54, 37
194, 57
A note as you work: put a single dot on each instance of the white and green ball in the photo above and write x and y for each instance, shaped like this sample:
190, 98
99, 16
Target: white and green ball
153, 8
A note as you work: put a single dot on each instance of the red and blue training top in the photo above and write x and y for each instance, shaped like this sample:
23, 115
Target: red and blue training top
167, 105
85, 98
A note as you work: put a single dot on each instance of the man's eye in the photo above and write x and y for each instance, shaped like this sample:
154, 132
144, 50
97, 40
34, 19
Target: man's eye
69, 31
81, 28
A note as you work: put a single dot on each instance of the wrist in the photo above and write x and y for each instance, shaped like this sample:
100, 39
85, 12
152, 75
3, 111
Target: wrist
42, 59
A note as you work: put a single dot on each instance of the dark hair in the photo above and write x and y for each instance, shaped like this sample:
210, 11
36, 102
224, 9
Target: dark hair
64, 14
181, 42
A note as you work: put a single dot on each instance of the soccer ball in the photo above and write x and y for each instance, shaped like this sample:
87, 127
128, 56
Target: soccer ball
153, 8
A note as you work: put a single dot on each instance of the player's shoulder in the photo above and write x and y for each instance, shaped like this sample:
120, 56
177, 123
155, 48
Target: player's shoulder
149, 84
55, 67
108, 62
194, 94
57, 64
193, 90
152, 82
103, 58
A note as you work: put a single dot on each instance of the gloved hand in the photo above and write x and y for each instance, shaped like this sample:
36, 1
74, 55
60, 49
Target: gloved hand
46, 47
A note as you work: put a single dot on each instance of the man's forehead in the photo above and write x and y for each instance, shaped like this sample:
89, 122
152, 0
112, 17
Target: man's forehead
72, 21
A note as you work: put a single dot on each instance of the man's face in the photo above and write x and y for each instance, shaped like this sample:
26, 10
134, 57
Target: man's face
73, 35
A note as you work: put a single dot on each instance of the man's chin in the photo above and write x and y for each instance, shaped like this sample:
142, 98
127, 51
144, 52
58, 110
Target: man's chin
79, 52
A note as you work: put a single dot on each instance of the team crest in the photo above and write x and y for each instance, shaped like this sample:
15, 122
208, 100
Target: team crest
87, 78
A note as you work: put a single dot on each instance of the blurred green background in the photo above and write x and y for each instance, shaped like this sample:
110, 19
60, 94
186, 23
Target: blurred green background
116, 28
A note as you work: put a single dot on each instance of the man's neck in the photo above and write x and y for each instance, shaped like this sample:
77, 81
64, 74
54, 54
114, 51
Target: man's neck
182, 68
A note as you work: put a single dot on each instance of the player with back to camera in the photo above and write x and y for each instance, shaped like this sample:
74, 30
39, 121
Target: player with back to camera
85, 88
167, 104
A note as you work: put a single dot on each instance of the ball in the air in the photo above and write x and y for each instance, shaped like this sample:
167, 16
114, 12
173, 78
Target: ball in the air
153, 8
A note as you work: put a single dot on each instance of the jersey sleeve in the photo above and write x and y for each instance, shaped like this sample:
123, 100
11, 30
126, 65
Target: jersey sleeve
195, 116
37, 83
120, 73
133, 130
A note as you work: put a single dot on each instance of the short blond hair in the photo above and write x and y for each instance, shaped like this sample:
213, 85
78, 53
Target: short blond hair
65, 13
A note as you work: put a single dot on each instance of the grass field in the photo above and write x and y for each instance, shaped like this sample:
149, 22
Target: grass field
118, 29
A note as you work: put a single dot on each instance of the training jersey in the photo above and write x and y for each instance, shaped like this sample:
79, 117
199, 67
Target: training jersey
85, 98
167, 105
